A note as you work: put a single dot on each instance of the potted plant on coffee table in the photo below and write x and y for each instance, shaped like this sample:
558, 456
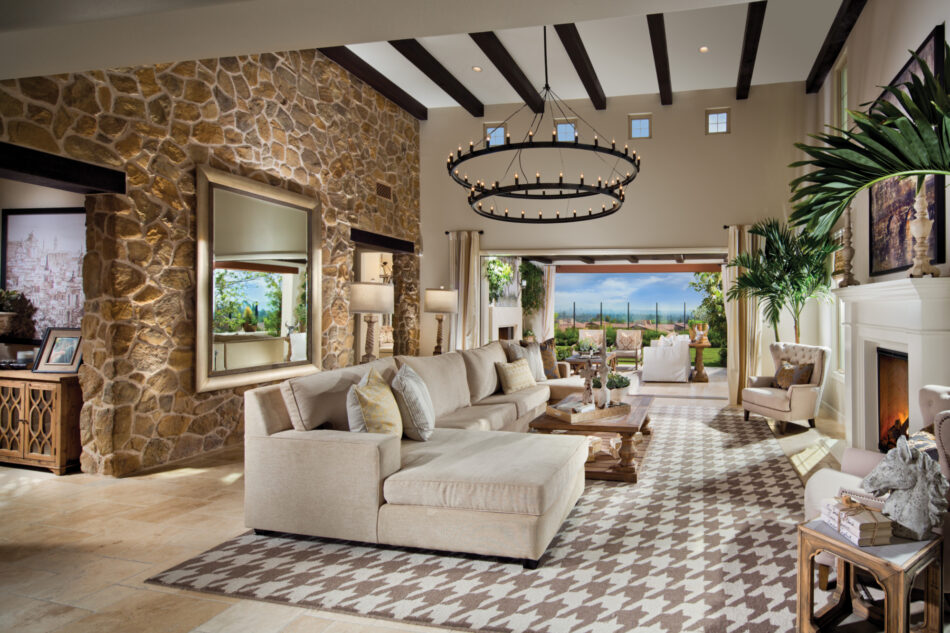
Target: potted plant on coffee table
617, 383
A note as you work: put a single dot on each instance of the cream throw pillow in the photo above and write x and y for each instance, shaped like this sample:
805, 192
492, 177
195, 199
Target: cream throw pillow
415, 404
371, 406
515, 376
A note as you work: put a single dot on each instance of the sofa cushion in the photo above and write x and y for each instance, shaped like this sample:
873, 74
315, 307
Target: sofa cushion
445, 377
514, 473
549, 359
515, 376
768, 397
526, 400
480, 369
415, 404
480, 418
530, 352
563, 387
371, 407
320, 398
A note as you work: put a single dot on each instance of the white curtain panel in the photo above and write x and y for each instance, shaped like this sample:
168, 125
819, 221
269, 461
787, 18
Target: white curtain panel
464, 248
743, 325
547, 312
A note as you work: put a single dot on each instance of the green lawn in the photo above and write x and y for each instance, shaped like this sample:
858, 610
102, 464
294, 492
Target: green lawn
710, 357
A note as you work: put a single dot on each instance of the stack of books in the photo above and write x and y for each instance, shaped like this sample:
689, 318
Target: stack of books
858, 518
574, 406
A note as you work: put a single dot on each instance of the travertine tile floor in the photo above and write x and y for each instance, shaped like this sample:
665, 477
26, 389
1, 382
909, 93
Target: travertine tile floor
75, 550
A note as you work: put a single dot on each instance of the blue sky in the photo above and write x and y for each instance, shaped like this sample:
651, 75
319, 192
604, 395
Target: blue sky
642, 290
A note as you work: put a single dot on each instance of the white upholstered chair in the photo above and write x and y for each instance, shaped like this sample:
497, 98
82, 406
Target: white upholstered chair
799, 402
664, 362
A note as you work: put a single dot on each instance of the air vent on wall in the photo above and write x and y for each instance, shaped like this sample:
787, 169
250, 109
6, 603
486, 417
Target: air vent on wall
384, 191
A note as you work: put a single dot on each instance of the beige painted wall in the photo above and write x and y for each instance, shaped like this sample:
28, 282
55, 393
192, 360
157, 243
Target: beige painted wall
690, 184
875, 52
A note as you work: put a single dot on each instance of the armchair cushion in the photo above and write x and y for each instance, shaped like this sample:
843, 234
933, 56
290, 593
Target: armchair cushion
789, 374
768, 397
760, 381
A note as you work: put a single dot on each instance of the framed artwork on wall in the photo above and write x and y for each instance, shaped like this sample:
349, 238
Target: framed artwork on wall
41, 252
891, 202
61, 351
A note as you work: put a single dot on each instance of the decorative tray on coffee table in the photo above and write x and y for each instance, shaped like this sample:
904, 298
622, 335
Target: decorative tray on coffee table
570, 409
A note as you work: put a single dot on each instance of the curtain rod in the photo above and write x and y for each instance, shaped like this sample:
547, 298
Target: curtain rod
480, 232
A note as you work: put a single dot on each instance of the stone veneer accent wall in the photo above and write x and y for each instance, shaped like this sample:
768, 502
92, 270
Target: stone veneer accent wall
294, 120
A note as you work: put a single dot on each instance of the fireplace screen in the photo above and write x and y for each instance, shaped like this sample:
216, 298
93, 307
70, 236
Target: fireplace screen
893, 405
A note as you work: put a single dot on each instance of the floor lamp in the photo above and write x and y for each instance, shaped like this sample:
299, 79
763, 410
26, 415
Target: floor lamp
370, 299
441, 302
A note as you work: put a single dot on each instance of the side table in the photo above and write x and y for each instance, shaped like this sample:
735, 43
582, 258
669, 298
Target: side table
699, 371
894, 566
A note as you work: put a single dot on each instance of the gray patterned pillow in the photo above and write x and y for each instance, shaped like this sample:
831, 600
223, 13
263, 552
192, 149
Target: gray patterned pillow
532, 353
415, 404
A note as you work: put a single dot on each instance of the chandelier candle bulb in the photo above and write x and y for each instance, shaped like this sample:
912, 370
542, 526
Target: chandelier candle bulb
595, 140
560, 179
530, 136
539, 214
613, 144
582, 179
625, 150
576, 138
507, 139
516, 178
537, 177
554, 136
471, 146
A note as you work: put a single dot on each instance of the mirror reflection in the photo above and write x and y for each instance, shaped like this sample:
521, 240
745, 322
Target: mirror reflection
259, 289
376, 267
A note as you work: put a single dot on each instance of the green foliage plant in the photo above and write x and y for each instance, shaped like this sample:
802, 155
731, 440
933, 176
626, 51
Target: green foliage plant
712, 309
499, 274
532, 290
908, 140
617, 381
791, 269
23, 326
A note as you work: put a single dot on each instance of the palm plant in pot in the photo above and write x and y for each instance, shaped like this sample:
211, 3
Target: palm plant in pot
791, 269
908, 140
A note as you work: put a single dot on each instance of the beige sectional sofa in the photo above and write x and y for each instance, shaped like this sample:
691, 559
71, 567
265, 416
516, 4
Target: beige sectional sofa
480, 485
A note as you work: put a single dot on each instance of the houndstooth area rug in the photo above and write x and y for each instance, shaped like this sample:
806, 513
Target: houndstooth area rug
705, 541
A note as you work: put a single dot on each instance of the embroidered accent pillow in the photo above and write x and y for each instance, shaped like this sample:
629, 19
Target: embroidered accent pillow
515, 376
371, 406
415, 404
789, 374
549, 359
627, 340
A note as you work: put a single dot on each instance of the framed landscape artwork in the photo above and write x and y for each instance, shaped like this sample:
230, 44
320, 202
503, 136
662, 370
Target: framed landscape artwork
42, 251
61, 351
892, 201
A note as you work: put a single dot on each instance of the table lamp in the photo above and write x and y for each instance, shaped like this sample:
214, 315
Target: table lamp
441, 302
370, 299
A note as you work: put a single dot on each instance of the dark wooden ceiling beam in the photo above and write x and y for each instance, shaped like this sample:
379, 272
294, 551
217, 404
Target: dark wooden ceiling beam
351, 62
509, 69
679, 259
587, 260
661, 56
540, 260
633, 259
423, 60
571, 39
755, 17
848, 14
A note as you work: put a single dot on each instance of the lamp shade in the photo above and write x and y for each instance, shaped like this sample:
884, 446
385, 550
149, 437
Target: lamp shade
371, 298
441, 301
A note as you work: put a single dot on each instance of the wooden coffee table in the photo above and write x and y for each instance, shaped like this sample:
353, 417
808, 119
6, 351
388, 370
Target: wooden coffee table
623, 468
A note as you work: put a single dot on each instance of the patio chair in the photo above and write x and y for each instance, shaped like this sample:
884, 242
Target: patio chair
630, 346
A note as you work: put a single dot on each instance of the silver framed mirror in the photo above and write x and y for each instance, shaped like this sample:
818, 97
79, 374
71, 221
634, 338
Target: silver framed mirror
258, 282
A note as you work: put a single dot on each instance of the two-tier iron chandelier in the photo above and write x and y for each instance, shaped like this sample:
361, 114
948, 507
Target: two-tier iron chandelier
514, 197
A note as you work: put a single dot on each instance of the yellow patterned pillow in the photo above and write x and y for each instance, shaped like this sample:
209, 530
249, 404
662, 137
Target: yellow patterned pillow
515, 376
371, 406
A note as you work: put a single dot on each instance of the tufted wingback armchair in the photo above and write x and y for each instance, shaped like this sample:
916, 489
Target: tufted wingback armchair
799, 402
857, 463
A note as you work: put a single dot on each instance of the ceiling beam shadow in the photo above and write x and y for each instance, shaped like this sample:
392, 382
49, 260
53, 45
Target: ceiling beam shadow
571, 39
503, 61
661, 56
423, 60
848, 14
755, 17
350, 61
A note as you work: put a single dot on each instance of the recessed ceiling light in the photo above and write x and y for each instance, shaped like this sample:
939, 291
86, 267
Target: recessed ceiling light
704, 49
477, 69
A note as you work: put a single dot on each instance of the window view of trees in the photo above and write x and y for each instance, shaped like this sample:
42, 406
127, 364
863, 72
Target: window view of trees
252, 302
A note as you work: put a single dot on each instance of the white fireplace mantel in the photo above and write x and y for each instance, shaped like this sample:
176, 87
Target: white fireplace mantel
904, 315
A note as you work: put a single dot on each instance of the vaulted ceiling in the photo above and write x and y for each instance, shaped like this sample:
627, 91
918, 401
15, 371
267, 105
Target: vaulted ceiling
422, 53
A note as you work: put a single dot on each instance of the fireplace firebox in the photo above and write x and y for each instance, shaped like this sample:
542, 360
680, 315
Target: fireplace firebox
893, 404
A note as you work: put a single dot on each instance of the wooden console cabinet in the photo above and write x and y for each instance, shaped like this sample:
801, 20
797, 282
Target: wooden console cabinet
39, 419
